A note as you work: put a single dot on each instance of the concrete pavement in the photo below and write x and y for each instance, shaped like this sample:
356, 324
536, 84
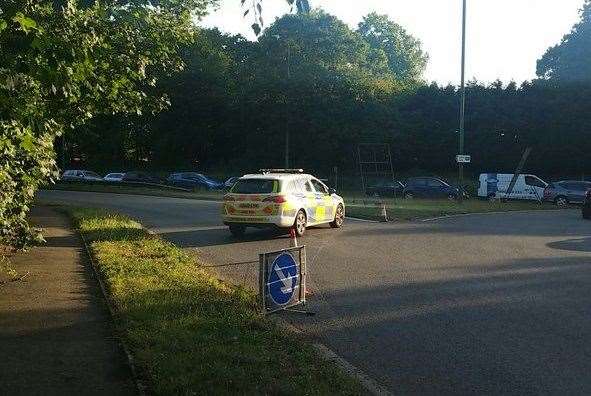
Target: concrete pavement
486, 304
56, 336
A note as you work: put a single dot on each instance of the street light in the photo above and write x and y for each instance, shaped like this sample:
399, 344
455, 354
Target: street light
463, 99
278, 37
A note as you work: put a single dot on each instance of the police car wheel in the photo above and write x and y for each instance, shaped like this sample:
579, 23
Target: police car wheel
492, 197
300, 223
339, 217
237, 230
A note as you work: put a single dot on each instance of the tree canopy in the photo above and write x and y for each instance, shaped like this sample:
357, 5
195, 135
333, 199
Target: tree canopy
406, 59
568, 62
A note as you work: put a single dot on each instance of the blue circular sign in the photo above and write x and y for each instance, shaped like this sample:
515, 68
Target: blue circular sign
282, 279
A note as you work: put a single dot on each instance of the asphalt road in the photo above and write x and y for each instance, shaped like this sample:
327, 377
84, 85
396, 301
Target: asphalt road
482, 304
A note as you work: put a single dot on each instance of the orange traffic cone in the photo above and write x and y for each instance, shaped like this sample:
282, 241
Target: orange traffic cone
384, 213
293, 241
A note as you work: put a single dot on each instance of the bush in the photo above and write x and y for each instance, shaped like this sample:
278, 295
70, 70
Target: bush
26, 160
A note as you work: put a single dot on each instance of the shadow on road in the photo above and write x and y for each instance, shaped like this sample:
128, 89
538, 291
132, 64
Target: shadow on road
515, 328
575, 245
218, 237
203, 238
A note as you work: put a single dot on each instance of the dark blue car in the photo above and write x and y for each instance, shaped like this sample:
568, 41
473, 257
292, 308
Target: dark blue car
430, 187
193, 181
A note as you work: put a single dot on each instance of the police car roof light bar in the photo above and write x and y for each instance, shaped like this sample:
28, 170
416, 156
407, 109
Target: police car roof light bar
281, 170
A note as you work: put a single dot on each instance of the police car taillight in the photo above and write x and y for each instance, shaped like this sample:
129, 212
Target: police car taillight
276, 199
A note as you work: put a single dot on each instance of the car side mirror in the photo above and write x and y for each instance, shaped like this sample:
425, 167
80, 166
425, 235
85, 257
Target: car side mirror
332, 191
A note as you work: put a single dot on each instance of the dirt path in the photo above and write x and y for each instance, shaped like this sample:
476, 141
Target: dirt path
56, 336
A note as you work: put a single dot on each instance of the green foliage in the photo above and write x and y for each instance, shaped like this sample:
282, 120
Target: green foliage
26, 159
63, 63
568, 62
406, 59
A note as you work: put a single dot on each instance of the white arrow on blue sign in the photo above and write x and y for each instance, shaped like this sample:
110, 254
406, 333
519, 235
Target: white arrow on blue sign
283, 279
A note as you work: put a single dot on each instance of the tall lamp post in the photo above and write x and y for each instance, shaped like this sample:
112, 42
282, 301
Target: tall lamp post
287, 102
288, 61
462, 102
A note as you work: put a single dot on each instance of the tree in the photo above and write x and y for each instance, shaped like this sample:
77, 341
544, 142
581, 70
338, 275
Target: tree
64, 62
321, 46
568, 62
406, 58
314, 75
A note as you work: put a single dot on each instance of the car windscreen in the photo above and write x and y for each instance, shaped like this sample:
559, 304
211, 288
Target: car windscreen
256, 186
535, 182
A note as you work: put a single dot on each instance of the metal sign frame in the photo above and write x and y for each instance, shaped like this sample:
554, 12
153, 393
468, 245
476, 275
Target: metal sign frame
266, 261
375, 160
463, 159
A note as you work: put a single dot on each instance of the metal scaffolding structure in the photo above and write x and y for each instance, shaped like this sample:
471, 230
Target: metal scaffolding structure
375, 160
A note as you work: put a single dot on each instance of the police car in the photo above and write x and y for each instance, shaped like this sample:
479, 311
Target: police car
282, 198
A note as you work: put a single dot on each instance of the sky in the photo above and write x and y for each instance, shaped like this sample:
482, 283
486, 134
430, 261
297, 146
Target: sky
504, 37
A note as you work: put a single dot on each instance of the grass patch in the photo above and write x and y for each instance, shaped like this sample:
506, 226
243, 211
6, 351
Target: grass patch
7, 272
406, 210
189, 332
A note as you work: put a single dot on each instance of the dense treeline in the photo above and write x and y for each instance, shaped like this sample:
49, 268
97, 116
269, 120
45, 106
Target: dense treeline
333, 88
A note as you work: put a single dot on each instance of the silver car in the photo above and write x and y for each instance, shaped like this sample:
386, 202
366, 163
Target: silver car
80, 175
114, 177
567, 191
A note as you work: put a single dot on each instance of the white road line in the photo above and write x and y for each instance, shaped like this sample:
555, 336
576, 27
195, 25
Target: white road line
370, 385
363, 220
490, 213
159, 230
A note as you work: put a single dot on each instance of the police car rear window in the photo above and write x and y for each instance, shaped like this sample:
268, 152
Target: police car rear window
256, 186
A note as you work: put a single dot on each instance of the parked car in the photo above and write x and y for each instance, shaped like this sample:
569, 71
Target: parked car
385, 188
281, 198
193, 180
80, 175
114, 177
586, 209
564, 192
141, 177
495, 186
430, 187
228, 184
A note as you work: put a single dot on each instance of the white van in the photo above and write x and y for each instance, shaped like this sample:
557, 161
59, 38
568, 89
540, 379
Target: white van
495, 186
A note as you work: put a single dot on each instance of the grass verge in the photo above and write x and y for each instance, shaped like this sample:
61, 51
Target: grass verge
406, 210
189, 332
7, 272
